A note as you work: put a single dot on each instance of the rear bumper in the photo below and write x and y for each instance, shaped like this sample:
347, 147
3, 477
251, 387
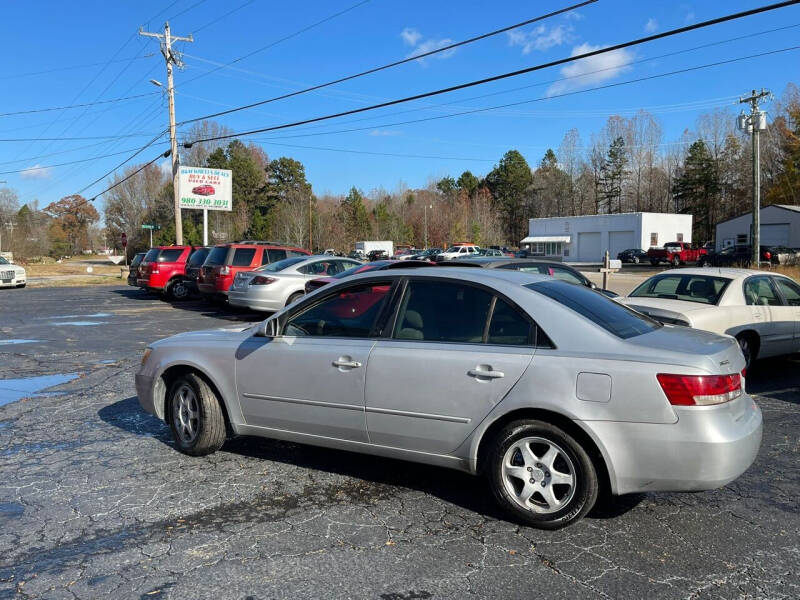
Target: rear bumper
244, 300
210, 289
706, 449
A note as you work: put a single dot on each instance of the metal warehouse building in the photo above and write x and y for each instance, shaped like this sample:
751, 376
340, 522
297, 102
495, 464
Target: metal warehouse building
780, 226
586, 238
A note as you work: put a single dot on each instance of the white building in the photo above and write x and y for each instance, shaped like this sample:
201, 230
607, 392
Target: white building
586, 238
780, 226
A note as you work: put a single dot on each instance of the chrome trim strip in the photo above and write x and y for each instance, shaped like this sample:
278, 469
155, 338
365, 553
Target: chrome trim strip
405, 413
306, 402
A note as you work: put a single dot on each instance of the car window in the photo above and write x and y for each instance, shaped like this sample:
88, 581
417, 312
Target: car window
281, 264
198, 257
296, 253
275, 254
790, 290
171, 255
242, 257
217, 256
761, 291
3, 261
134, 263
348, 313
704, 289
508, 326
563, 274
151, 255
320, 268
612, 316
438, 311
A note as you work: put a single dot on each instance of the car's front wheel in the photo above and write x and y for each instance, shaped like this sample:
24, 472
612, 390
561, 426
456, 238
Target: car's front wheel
636, 260
195, 416
178, 290
541, 474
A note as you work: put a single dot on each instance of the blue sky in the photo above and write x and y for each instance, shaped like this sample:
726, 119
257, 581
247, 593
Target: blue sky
57, 36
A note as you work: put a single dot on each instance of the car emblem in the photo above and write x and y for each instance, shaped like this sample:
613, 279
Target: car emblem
724, 362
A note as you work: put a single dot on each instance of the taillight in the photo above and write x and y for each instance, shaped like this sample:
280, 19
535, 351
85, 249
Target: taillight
154, 269
224, 270
700, 390
261, 280
767, 255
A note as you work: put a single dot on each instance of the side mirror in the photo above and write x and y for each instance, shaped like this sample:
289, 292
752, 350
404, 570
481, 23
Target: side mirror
268, 328
593, 285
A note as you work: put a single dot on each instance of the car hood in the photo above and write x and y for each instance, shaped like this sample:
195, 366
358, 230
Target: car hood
207, 336
662, 306
12, 267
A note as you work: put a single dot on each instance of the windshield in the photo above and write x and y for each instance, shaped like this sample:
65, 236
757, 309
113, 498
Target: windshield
151, 255
612, 316
359, 269
198, 256
672, 245
136, 260
3, 261
703, 289
282, 264
217, 256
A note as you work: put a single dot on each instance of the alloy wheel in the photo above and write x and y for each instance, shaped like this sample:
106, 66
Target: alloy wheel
186, 414
538, 475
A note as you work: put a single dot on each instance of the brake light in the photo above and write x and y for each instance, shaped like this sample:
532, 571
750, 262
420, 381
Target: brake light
261, 280
700, 390
767, 255
224, 270
154, 269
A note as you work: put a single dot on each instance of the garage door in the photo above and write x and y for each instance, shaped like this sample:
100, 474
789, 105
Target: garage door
775, 234
619, 241
589, 247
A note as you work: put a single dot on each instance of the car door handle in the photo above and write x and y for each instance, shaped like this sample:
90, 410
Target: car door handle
489, 374
347, 364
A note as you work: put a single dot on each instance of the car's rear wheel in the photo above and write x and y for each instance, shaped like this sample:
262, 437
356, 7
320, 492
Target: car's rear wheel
676, 261
654, 262
195, 416
178, 290
541, 475
636, 260
748, 343
294, 298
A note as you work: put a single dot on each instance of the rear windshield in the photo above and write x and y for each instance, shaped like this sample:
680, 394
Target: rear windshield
134, 263
615, 318
198, 257
151, 255
704, 289
171, 255
282, 264
217, 256
242, 257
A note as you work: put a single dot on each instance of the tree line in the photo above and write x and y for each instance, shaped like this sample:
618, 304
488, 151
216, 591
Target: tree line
627, 166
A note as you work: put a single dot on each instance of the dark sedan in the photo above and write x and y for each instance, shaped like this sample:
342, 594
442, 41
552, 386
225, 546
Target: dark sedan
632, 255
133, 268
738, 256
545, 267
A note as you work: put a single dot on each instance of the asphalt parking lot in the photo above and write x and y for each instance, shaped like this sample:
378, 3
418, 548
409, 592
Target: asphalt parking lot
95, 502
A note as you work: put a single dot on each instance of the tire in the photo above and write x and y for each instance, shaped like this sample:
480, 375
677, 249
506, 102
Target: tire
636, 260
676, 261
654, 263
178, 290
195, 416
748, 344
294, 298
22, 285
548, 505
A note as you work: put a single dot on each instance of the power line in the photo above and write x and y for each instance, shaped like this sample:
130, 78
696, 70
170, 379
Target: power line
227, 14
72, 162
71, 68
393, 64
283, 39
70, 106
72, 139
392, 154
517, 72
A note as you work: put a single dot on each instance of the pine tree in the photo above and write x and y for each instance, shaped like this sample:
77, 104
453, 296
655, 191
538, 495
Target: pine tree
696, 190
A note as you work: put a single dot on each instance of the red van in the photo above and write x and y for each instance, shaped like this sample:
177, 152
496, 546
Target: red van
225, 260
162, 271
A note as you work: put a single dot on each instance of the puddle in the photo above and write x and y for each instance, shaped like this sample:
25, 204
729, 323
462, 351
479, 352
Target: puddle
12, 342
77, 323
12, 390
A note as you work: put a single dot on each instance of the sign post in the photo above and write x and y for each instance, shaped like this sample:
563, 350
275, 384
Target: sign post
124, 239
151, 227
206, 189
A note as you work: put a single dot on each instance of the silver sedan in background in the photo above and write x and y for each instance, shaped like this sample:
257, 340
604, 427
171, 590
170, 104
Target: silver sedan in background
273, 286
551, 390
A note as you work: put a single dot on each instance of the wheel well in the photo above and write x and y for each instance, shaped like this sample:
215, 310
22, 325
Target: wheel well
565, 423
171, 374
754, 337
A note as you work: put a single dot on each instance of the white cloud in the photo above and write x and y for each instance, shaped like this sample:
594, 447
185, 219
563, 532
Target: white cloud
383, 132
166, 167
37, 171
591, 70
651, 25
410, 36
573, 15
540, 38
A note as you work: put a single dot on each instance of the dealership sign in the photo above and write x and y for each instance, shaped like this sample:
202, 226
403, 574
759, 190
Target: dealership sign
205, 188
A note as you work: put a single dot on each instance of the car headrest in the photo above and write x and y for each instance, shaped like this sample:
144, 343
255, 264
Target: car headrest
413, 319
699, 287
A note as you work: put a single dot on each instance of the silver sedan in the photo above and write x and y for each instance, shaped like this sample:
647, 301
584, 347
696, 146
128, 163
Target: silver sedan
273, 286
551, 390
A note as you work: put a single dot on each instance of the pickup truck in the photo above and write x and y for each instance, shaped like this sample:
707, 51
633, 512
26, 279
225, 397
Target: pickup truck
675, 253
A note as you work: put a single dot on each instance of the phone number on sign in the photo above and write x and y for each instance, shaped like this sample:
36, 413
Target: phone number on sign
204, 202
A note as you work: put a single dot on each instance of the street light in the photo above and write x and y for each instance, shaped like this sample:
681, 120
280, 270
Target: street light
156, 82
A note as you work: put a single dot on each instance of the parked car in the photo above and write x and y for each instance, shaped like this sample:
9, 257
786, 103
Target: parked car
278, 284
226, 260
528, 265
378, 265
377, 255
675, 253
194, 267
357, 255
458, 251
163, 271
548, 389
12, 275
204, 190
760, 309
633, 255
738, 256
133, 268
427, 254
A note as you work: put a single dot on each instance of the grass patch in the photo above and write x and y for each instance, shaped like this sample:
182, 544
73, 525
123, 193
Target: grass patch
792, 271
72, 269
77, 281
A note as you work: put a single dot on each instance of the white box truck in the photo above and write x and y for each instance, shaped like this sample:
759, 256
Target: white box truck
366, 247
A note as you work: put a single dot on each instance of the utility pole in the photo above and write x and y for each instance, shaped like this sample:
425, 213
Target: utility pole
171, 59
754, 123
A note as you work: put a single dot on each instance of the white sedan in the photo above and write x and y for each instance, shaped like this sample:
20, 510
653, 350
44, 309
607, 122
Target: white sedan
273, 286
11, 275
760, 309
